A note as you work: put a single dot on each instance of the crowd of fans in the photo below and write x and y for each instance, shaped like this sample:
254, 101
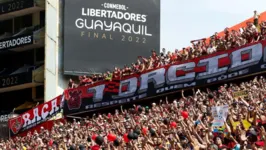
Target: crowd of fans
253, 32
185, 123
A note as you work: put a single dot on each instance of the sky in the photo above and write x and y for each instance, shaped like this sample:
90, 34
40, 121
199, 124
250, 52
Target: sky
186, 20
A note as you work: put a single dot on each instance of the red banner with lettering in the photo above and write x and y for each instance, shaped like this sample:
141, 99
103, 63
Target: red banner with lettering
35, 116
218, 67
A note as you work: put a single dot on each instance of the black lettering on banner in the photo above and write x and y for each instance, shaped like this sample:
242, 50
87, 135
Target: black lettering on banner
242, 72
231, 75
211, 80
222, 77
263, 66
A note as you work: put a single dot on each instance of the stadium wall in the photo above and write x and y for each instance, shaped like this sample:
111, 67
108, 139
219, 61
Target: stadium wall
62, 79
54, 79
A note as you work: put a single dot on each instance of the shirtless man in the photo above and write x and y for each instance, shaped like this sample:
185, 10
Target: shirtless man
235, 41
251, 32
150, 63
256, 18
227, 35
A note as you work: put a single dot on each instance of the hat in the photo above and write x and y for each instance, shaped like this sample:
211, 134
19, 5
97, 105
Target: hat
55, 143
237, 147
214, 146
82, 147
71, 147
252, 132
137, 131
140, 109
89, 139
210, 96
152, 132
166, 121
95, 147
260, 143
147, 109
182, 137
135, 136
130, 136
99, 140
116, 142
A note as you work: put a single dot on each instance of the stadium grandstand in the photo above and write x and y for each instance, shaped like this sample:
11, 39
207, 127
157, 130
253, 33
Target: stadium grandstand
22, 30
210, 95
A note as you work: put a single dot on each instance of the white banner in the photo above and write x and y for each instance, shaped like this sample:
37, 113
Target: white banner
219, 114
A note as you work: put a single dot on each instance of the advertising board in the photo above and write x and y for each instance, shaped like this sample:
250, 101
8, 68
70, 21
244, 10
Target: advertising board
99, 35
35, 116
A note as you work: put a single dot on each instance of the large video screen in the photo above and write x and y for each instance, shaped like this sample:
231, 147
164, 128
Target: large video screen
102, 34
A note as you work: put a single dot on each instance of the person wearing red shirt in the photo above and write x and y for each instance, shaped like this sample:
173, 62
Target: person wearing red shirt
154, 55
156, 63
216, 36
116, 73
227, 34
173, 57
87, 80
263, 30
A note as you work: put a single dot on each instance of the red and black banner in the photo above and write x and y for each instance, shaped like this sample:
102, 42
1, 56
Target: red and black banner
35, 116
218, 67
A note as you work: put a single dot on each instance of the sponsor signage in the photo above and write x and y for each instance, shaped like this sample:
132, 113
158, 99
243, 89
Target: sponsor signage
99, 35
218, 67
35, 116
17, 41
17, 79
16, 5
